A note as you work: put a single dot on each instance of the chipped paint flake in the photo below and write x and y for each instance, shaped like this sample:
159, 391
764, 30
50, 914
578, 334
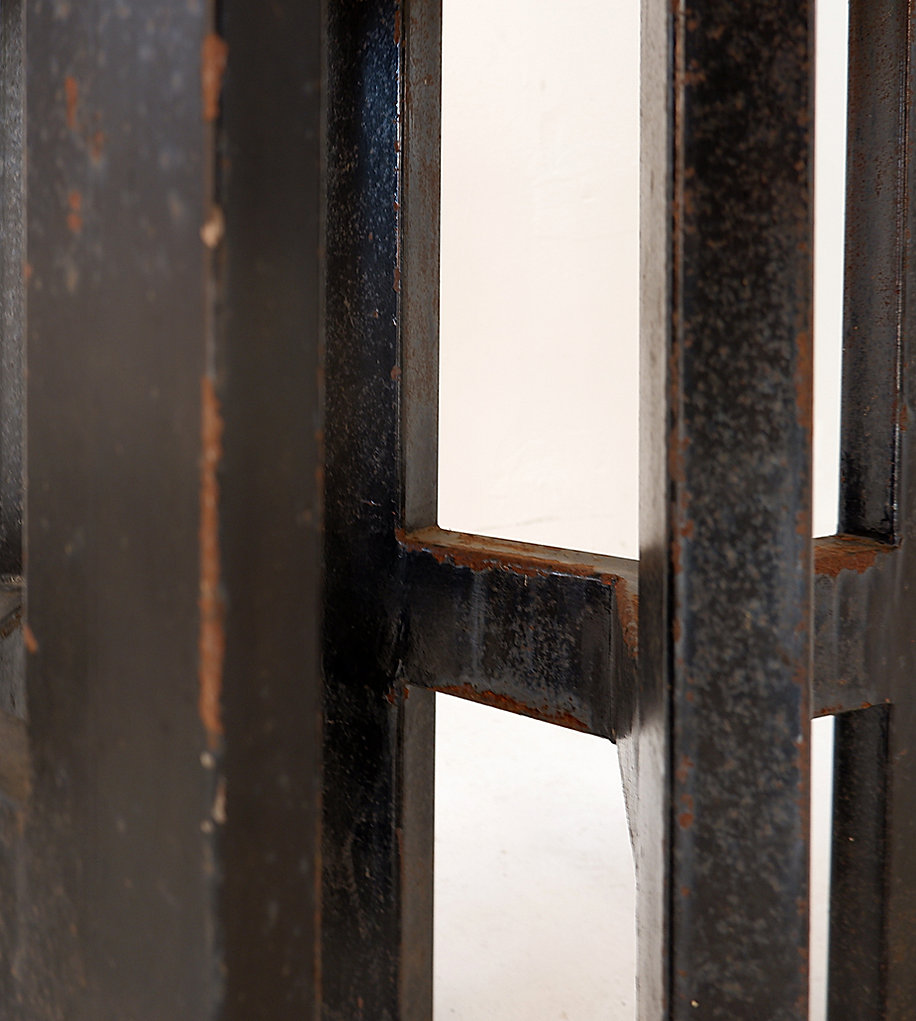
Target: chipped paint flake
214, 53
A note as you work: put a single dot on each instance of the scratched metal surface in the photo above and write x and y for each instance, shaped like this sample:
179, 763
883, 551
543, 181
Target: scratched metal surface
378, 735
167, 862
717, 759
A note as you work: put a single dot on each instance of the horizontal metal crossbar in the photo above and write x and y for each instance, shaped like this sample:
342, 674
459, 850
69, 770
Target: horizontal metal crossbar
553, 634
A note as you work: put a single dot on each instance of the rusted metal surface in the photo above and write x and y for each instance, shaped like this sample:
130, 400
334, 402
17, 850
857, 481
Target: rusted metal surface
549, 633
160, 816
207, 558
717, 760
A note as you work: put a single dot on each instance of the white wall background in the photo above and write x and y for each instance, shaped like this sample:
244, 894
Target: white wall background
538, 441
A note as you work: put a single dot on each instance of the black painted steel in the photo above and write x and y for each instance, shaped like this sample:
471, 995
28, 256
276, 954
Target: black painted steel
232, 394
546, 633
859, 883
377, 893
12, 290
159, 851
117, 862
267, 364
875, 217
718, 756
878, 499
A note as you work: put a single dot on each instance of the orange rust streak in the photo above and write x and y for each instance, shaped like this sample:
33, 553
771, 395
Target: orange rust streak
481, 553
31, 643
493, 698
71, 93
74, 217
214, 53
846, 553
212, 641
628, 615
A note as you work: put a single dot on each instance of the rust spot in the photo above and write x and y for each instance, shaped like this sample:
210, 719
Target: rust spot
71, 94
804, 380
685, 820
498, 701
31, 642
212, 641
685, 892
74, 217
396, 373
846, 553
397, 279
628, 615
683, 770
482, 553
213, 55
97, 147
397, 27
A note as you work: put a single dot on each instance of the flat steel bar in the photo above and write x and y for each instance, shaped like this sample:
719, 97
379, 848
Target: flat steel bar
543, 632
850, 573
464, 592
378, 737
878, 500
266, 365
872, 418
117, 880
858, 874
421, 26
12, 283
719, 746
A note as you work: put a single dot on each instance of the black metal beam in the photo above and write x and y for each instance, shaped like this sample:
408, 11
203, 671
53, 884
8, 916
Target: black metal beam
116, 888
719, 744
267, 365
543, 632
378, 736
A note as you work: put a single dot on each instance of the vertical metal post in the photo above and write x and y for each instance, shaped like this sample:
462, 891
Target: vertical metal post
378, 736
267, 367
167, 863
874, 858
720, 738
119, 829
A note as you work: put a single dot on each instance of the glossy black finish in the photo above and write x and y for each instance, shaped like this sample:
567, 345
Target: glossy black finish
378, 736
